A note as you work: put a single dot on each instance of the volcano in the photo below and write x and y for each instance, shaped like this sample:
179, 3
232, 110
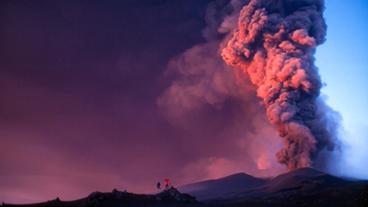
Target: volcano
300, 187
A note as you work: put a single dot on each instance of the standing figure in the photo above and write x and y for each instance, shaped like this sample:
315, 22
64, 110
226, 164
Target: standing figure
167, 183
158, 185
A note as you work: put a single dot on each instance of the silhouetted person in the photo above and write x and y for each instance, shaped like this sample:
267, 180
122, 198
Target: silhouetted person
167, 183
158, 185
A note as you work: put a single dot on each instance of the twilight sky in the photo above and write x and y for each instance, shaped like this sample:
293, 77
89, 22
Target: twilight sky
84, 89
343, 64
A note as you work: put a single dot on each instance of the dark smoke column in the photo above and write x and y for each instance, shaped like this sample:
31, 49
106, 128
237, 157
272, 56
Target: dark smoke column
274, 44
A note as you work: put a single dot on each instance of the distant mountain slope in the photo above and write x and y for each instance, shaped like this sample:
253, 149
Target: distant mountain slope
222, 188
303, 179
306, 187
303, 186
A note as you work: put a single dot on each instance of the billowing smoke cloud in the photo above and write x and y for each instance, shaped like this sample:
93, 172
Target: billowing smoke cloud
207, 97
274, 43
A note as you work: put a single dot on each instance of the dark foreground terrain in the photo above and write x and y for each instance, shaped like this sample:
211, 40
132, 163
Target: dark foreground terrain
302, 187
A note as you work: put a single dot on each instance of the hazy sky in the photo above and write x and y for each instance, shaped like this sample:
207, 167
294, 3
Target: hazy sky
79, 88
343, 63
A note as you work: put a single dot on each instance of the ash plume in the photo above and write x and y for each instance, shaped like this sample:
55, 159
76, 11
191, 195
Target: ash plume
218, 106
274, 43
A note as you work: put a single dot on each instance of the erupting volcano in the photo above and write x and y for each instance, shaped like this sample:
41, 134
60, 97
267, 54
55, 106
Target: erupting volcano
274, 44
183, 103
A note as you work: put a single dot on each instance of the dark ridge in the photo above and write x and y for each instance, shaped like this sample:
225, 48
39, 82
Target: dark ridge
301, 187
117, 198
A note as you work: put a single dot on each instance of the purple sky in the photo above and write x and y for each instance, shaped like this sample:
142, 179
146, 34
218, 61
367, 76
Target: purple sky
80, 87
